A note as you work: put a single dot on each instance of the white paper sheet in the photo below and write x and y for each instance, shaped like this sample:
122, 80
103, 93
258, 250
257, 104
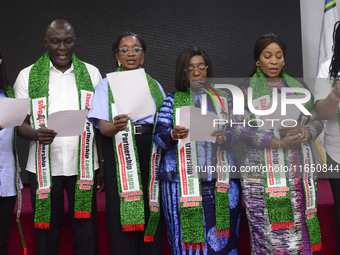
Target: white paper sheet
201, 126
131, 93
67, 123
292, 113
13, 111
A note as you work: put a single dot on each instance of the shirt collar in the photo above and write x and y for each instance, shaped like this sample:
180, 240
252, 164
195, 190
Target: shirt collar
71, 69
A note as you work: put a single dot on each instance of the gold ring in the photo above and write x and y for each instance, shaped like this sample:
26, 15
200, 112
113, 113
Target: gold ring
178, 136
220, 137
288, 133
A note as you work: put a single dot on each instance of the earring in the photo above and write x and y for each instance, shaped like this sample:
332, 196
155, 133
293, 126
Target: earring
257, 63
119, 64
0, 61
141, 63
283, 63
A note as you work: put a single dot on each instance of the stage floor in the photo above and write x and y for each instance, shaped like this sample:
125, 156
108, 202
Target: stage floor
325, 215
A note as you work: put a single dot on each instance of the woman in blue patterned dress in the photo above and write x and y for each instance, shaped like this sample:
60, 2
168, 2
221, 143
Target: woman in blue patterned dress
196, 232
281, 209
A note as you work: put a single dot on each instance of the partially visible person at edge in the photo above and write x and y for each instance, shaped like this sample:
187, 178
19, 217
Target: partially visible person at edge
132, 211
60, 81
208, 221
327, 98
281, 212
8, 168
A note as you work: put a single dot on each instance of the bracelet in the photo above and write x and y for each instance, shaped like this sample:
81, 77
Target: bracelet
279, 143
101, 161
334, 97
172, 135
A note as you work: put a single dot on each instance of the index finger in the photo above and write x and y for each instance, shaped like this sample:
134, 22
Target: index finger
117, 117
179, 128
46, 130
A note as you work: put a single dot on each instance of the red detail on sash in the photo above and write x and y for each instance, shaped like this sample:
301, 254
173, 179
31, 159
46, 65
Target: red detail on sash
42, 225
82, 163
152, 181
282, 225
316, 247
82, 215
184, 172
135, 227
223, 233
195, 246
148, 239
25, 250
215, 93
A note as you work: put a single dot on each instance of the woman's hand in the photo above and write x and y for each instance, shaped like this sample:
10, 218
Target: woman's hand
296, 140
178, 132
220, 135
293, 131
120, 122
110, 129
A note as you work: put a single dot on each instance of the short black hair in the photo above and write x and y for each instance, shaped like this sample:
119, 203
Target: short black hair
4, 83
117, 40
182, 66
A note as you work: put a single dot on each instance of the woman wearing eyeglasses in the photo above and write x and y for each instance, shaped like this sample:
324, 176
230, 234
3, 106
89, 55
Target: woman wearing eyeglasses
132, 217
201, 208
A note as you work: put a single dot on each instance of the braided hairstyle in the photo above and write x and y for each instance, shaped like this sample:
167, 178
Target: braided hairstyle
335, 63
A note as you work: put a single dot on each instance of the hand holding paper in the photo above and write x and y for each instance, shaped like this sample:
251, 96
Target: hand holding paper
201, 126
67, 123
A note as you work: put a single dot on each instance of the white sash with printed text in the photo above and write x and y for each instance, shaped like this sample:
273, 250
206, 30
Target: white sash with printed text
43, 169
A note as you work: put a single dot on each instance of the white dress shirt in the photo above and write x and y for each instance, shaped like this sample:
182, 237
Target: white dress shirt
63, 95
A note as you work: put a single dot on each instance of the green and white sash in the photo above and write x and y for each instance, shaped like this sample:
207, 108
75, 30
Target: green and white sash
38, 92
129, 176
10, 93
191, 208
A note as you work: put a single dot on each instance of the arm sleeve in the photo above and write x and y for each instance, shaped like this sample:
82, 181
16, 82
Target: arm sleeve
164, 124
21, 85
249, 135
100, 104
315, 125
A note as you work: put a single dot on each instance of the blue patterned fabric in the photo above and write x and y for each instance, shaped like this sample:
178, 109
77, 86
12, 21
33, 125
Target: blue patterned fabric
206, 153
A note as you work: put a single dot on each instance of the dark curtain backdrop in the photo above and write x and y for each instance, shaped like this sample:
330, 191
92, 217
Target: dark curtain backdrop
226, 30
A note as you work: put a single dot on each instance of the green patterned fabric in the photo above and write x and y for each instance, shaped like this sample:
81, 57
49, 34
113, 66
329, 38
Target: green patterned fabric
222, 210
83, 197
132, 212
39, 88
280, 208
10, 93
192, 217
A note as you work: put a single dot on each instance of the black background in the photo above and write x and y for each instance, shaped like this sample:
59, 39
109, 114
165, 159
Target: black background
226, 30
